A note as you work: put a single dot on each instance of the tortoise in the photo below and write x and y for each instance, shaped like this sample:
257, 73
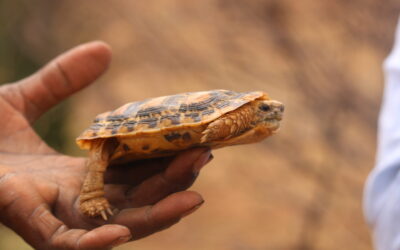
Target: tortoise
163, 126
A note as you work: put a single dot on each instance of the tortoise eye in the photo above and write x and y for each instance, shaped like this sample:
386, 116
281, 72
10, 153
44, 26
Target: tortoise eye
265, 107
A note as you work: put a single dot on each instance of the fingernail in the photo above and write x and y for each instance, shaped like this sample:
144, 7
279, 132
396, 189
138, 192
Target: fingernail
210, 158
203, 159
121, 240
193, 209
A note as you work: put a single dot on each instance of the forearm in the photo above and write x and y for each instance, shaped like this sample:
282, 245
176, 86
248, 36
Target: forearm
382, 193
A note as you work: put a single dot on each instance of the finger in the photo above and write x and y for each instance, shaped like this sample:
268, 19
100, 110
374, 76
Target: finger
136, 172
179, 176
63, 76
103, 237
27, 214
106, 236
43, 231
150, 219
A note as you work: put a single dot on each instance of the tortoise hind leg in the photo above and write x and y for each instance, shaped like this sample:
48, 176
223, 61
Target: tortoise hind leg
91, 199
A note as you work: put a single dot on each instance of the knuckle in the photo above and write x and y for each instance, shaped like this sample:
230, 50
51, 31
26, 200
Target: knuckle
8, 186
179, 184
56, 239
7, 178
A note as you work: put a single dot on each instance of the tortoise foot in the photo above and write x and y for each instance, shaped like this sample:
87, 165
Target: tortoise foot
95, 207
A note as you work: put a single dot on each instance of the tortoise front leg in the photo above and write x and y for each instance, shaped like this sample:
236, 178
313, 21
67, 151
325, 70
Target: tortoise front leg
229, 125
92, 201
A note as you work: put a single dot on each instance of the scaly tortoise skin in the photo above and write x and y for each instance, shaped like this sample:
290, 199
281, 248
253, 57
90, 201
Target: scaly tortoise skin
165, 125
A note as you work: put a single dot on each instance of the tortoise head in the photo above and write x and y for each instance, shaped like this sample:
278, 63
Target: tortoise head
268, 113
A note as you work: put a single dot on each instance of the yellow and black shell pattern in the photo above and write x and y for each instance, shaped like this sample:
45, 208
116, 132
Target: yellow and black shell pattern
165, 113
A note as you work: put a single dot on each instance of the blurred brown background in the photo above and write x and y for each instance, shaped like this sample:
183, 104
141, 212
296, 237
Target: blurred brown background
301, 189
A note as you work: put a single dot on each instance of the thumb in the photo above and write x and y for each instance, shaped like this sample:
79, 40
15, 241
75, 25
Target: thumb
63, 76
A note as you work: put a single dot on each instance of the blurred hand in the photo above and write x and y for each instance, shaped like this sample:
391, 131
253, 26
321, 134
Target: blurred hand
39, 187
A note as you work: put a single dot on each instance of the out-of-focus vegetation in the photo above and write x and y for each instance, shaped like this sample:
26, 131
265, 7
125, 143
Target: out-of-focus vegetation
16, 63
301, 189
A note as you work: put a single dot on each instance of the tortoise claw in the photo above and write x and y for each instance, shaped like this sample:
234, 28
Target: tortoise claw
103, 215
95, 207
110, 211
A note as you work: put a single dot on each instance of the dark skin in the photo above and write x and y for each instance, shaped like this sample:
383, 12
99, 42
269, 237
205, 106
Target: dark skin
39, 187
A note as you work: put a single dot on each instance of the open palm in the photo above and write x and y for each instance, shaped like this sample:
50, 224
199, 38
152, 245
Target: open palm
39, 187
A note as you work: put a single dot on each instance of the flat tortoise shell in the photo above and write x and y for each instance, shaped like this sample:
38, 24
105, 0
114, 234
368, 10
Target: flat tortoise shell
166, 112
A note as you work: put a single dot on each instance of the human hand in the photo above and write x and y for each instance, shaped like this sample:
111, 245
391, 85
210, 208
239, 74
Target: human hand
39, 187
